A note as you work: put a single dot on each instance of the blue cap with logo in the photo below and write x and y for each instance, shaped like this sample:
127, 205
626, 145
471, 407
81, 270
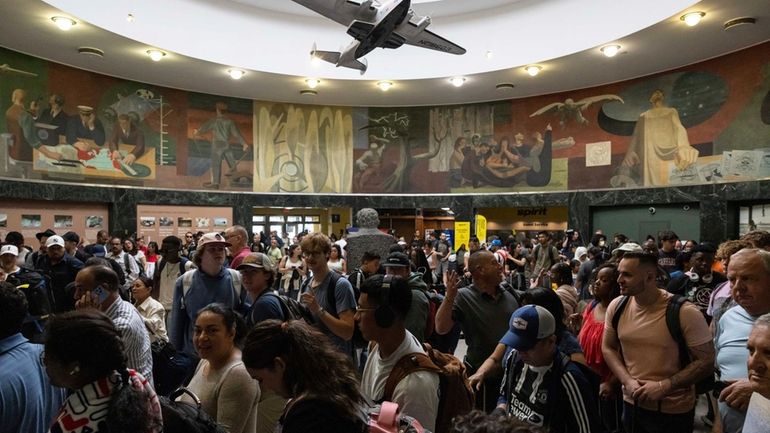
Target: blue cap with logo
529, 324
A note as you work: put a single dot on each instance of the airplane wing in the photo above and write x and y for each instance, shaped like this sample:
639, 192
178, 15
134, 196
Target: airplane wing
417, 35
342, 11
550, 107
6, 68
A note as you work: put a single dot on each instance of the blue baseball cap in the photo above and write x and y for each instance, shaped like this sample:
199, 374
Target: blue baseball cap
497, 243
529, 324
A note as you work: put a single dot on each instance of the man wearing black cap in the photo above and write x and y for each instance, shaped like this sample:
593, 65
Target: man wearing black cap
42, 237
71, 241
541, 385
416, 320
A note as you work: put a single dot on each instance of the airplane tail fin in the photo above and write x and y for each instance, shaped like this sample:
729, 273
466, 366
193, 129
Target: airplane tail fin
327, 56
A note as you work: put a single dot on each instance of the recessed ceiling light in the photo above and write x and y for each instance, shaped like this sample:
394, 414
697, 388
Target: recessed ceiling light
610, 50
64, 23
504, 86
236, 74
312, 82
308, 92
91, 51
533, 70
457, 81
130, 18
692, 18
384, 85
156, 55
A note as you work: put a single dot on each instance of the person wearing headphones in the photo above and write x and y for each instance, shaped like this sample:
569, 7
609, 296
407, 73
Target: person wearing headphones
700, 281
383, 305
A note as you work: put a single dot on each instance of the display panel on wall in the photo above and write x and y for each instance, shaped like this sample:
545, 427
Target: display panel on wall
30, 217
156, 222
704, 123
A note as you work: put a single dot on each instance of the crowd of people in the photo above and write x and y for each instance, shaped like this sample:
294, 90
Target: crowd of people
562, 335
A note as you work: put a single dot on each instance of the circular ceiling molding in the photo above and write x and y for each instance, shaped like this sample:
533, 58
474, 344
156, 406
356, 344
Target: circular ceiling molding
276, 37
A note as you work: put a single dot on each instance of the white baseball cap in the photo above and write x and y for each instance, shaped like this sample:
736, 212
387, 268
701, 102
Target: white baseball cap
9, 249
54, 240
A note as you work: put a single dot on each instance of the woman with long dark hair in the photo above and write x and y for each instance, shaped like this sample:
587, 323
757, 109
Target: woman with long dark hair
299, 363
106, 396
605, 288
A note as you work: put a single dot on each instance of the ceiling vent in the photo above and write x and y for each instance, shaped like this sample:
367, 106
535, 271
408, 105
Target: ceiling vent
308, 92
737, 22
504, 86
91, 51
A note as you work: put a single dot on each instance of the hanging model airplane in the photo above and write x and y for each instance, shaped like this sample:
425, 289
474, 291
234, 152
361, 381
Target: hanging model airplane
385, 24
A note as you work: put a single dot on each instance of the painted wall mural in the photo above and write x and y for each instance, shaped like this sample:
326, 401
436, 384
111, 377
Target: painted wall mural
708, 122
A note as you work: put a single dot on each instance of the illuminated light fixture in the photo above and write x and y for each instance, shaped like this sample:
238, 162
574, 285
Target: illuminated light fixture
130, 18
610, 50
312, 82
63, 23
457, 81
692, 18
236, 74
533, 70
489, 54
384, 85
156, 55
308, 92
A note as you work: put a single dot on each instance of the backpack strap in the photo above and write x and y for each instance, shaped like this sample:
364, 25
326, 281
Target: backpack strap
405, 366
331, 292
235, 282
187, 278
618, 311
675, 328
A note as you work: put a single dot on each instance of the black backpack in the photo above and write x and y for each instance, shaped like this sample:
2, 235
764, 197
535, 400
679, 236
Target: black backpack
675, 329
293, 309
183, 417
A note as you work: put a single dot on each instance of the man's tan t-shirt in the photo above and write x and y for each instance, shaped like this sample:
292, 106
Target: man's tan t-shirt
648, 350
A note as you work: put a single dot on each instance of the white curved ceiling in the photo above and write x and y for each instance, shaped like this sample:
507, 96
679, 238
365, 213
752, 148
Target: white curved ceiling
271, 40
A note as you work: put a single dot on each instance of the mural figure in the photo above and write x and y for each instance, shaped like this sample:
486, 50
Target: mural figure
396, 126
85, 131
126, 132
456, 162
507, 164
221, 128
20, 125
571, 110
369, 165
54, 120
658, 137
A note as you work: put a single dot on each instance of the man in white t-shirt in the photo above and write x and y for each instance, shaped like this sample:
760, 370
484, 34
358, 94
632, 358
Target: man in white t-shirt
383, 305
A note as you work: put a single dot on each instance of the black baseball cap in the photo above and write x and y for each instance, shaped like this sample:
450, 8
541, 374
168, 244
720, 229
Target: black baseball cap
48, 233
397, 259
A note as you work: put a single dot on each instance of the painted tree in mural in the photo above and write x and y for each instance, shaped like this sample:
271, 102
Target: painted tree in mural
394, 127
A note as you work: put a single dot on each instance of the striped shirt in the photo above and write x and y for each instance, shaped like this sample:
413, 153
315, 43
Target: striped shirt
136, 340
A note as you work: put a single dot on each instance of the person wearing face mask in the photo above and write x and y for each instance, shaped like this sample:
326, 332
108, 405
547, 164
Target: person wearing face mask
226, 391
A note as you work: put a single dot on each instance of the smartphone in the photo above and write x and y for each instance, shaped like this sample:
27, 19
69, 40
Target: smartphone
99, 294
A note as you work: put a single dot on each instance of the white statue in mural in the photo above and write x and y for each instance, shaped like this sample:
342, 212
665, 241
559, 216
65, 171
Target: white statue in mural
659, 137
